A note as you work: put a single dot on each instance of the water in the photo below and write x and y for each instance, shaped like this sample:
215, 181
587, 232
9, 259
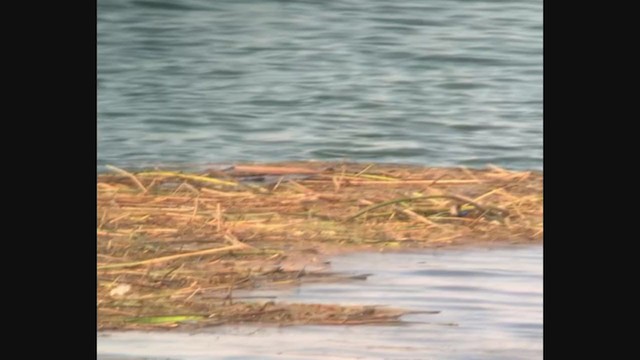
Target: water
490, 301
439, 82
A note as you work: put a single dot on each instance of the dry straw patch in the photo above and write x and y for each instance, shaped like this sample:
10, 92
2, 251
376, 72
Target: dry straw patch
173, 247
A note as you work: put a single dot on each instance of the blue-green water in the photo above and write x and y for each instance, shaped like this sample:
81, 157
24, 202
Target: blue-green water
434, 82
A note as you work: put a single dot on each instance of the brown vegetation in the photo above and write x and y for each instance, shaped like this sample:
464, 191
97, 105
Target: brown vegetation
173, 247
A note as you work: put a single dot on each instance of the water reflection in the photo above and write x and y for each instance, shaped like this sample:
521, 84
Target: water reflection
490, 303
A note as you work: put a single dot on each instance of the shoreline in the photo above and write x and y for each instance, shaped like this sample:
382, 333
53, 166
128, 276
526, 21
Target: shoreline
172, 247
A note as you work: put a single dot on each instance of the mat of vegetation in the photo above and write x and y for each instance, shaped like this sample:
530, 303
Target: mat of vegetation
174, 249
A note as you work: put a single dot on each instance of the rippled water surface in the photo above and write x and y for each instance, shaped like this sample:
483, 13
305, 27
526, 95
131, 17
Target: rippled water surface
438, 82
490, 303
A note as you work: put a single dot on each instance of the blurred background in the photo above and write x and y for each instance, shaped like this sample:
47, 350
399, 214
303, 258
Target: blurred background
438, 82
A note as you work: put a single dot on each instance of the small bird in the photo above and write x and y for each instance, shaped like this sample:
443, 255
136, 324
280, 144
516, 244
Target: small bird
456, 210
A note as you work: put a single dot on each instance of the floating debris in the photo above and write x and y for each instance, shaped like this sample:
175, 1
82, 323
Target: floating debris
173, 247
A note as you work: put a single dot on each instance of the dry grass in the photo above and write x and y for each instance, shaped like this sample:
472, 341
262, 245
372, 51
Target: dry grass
173, 247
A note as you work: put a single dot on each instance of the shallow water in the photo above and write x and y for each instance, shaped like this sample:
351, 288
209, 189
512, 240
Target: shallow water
439, 82
490, 303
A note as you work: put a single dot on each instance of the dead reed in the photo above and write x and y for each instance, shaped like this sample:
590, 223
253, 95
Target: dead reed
174, 247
